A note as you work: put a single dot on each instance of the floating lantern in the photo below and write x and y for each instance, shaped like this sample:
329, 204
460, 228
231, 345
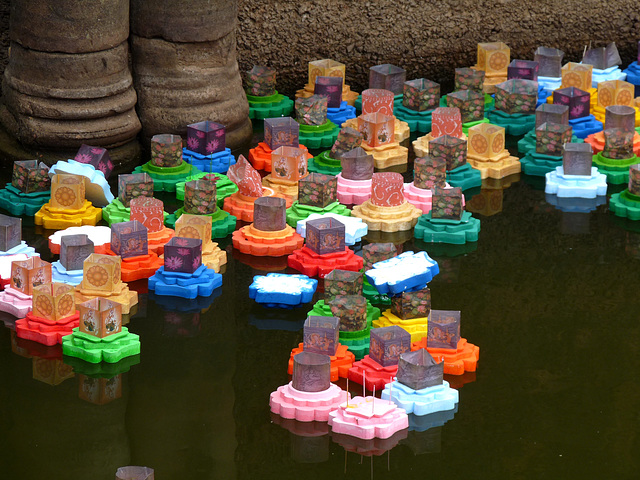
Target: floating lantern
348, 139
321, 335
377, 252
388, 77
516, 96
53, 301
281, 132
485, 140
388, 343
444, 329
552, 113
183, 255
549, 61
100, 317
523, 69
129, 239
30, 176
289, 165
261, 81
469, 79
576, 99
67, 192
200, 197
620, 116
329, 88
618, 143
317, 190
325, 68
101, 273
166, 150
551, 137
134, 185
452, 150
469, 102
269, 214
446, 121
447, 204
602, 57
325, 235
418, 370
206, 138
577, 159
97, 156
420, 94
10, 232
377, 100
351, 310
30, 273
494, 58
311, 110
576, 75
149, 212
615, 92
357, 164
429, 173
377, 129
410, 305
342, 282
74, 249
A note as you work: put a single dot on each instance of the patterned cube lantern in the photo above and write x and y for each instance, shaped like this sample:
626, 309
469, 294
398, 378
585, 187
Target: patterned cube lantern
134, 185
577, 75
615, 92
67, 192
357, 164
377, 100
166, 150
418, 370
246, 177
30, 273
311, 110
443, 330
74, 250
523, 69
101, 272
421, 94
281, 132
321, 335
552, 113
325, 235
602, 57
54, 301
149, 212
469, 79
289, 164
387, 76
447, 204
470, 103
183, 255
270, 214
377, 129
550, 61
318, 190
200, 197
452, 150
261, 81
377, 252
387, 189
517, 96
311, 372
551, 137
486, 140
388, 343
620, 116
494, 58
101, 391
446, 121
577, 159
429, 173
634, 179
325, 68
331, 89
206, 138
410, 305
10, 232
195, 226
135, 473
30, 176
348, 139
97, 156
342, 282
618, 143
100, 317
129, 239
577, 100
351, 310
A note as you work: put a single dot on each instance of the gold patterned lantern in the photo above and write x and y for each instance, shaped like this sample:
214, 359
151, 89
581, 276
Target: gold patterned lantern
54, 301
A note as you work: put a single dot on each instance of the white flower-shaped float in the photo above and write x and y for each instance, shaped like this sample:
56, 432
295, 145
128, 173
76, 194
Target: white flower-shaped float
97, 188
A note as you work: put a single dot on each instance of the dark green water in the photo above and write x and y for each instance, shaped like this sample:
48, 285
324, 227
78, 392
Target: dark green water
550, 297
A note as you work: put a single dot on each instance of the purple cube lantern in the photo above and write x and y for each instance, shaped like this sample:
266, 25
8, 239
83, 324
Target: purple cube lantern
388, 343
551, 137
443, 330
281, 132
351, 310
129, 239
96, 156
30, 176
469, 79
330, 87
74, 249
166, 150
452, 150
325, 235
549, 61
470, 103
388, 77
618, 143
421, 95
577, 100
134, 185
348, 139
311, 372
10, 232
206, 138
634, 179
317, 190
418, 370
321, 335
342, 282
552, 113
312, 110
602, 57
200, 197
269, 214
410, 305
447, 204
429, 173
620, 116
357, 164
517, 96
377, 100
261, 81
134, 473
523, 69
183, 255
377, 252
577, 159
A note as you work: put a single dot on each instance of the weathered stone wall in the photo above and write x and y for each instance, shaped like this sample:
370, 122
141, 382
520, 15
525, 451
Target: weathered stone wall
429, 39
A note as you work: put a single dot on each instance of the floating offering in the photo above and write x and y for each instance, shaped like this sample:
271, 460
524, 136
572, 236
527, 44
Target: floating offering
405, 272
206, 147
199, 227
576, 177
605, 62
97, 189
488, 154
16, 299
129, 240
264, 100
317, 195
29, 190
67, 206
329, 161
420, 98
367, 418
354, 182
515, 104
327, 68
282, 291
354, 227
74, 250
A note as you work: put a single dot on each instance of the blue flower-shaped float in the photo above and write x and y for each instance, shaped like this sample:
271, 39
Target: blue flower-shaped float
200, 283
282, 291
218, 162
421, 402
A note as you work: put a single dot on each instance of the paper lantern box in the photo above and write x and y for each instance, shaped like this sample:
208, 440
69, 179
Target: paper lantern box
357, 164
577, 75
311, 372
54, 301
270, 214
388, 77
10, 232
387, 189
447, 204
149, 212
246, 177
377, 252
418, 370
132, 185
137, 473
200, 197
517, 96
421, 94
577, 159
101, 391
312, 110
321, 335
281, 132
100, 317
618, 143
261, 81
325, 68
494, 58
446, 121
289, 165
97, 156
182, 255
206, 138
351, 310
166, 150
470, 103
634, 179
67, 192
377, 129
443, 330
377, 100
388, 343
318, 190
101, 272
342, 282
602, 57
552, 113
469, 79
30, 273
325, 235
549, 61
129, 239
551, 137
194, 226
523, 69
620, 116
30, 176
74, 249
486, 140
410, 305
616, 92
452, 150
577, 100
329, 88
429, 172
348, 139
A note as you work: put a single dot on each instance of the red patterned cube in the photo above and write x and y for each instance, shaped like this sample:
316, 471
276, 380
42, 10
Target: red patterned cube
281, 132
376, 100
387, 76
325, 235
166, 150
289, 164
443, 330
452, 150
577, 100
321, 335
429, 173
421, 94
446, 121
30, 176
134, 185
523, 69
470, 103
206, 138
377, 252
517, 96
552, 113
410, 305
447, 204
577, 159
183, 255
388, 343
387, 189
270, 214
377, 129
330, 87
318, 190
96, 156
352, 312
129, 239
551, 137
342, 282
469, 79
149, 212
357, 164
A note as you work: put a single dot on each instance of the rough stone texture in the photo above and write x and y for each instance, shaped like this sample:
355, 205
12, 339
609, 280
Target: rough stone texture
428, 39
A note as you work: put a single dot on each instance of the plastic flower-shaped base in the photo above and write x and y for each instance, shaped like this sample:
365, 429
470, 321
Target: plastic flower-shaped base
100, 236
224, 187
353, 192
341, 114
585, 126
200, 283
58, 218
580, 186
97, 189
616, 170
120, 294
222, 223
46, 332
371, 373
18, 203
252, 241
319, 136
428, 400
165, 179
62, 275
499, 167
310, 263
417, 327
418, 121
280, 290
275, 105
288, 402
515, 124
387, 219
110, 349
465, 177
625, 204
260, 156
420, 197
368, 417
439, 230
14, 302
241, 206
527, 144
462, 359
323, 163
215, 163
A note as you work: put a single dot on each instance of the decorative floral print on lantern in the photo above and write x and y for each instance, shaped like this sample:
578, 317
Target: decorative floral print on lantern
615, 92
183, 255
97, 156
53, 301
342, 282
453, 150
494, 58
429, 173
634, 179
377, 252
194, 226
469, 79
470, 103
325, 235
311, 110
577, 100
317, 190
261, 81
618, 144
351, 310
446, 121
331, 89
30, 273
576, 75
206, 138
377, 129
281, 132
388, 343
377, 100
289, 164
100, 317
421, 95
551, 137
129, 239
447, 204
30, 176
523, 69
134, 185
246, 177
388, 77
516, 96
387, 189
166, 150
348, 139
486, 140
325, 68
410, 305
101, 272
200, 197
67, 192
